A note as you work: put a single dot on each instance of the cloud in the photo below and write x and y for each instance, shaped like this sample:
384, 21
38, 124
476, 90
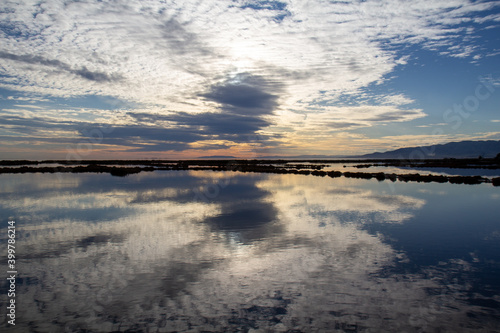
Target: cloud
219, 124
327, 119
95, 76
188, 44
82, 72
400, 115
34, 124
234, 62
182, 42
433, 125
199, 263
277, 9
246, 94
133, 137
27, 106
243, 102
134, 131
341, 125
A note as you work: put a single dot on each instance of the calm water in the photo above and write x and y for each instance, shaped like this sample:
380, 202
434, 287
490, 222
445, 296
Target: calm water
214, 251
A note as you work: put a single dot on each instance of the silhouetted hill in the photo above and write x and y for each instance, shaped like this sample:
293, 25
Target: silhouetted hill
463, 149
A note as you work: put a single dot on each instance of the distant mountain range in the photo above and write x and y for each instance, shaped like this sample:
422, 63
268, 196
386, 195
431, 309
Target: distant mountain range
463, 149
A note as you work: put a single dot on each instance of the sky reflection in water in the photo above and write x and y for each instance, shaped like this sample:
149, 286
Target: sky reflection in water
279, 252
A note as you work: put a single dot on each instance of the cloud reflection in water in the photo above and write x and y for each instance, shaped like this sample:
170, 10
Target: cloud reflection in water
275, 252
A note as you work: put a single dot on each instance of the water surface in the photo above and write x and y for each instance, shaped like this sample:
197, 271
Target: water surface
228, 251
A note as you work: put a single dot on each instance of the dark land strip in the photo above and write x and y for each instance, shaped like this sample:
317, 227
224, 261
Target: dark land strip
301, 167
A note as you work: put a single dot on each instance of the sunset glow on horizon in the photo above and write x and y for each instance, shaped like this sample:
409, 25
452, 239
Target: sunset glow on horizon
188, 79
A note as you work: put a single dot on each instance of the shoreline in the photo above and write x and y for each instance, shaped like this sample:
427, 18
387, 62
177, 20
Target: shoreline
118, 168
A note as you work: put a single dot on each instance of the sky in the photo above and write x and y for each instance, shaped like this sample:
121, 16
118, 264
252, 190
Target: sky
134, 79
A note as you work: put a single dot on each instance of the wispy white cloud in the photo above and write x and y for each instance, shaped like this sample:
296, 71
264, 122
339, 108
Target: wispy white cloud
171, 56
433, 125
176, 48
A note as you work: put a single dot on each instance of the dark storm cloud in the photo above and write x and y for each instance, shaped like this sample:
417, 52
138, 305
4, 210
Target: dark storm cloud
82, 72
